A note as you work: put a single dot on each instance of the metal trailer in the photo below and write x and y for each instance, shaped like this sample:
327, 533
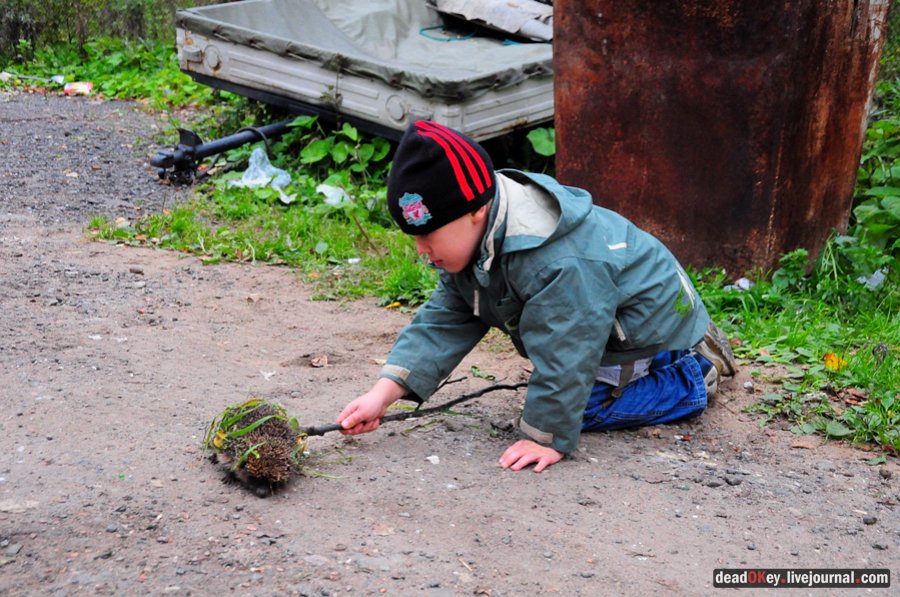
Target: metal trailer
377, 64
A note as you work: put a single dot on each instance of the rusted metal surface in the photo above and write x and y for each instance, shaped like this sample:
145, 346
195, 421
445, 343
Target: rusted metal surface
731, 130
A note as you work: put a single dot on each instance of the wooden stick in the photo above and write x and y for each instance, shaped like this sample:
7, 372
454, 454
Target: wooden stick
420, 412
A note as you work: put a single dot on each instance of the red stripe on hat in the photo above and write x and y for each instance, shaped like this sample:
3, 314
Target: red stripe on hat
458, 145
464, 147
454, 163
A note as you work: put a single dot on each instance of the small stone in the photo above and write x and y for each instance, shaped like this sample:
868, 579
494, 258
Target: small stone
15, 548
748, 385
733, 481
751, 547
504, 424
714, 483
112, 528
453, 426
826, 465
885, 473
316, 560
869, 520
880, 546
587, 574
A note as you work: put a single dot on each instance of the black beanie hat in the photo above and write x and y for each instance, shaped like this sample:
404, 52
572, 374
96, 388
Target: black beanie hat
438, 175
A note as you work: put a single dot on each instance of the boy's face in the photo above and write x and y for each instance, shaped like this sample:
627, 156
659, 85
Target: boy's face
453, 246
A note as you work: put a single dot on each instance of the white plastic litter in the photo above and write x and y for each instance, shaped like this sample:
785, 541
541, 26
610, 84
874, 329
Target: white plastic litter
740, 285
261, 173
874, 281
6, 76
334, 196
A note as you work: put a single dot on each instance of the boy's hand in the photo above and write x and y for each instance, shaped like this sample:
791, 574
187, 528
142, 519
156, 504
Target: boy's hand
525, 452
364, 413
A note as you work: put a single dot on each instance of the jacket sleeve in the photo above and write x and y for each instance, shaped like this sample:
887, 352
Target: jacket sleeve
566, 321
443, 331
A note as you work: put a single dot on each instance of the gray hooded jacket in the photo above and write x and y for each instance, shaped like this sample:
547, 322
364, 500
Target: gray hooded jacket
577, 287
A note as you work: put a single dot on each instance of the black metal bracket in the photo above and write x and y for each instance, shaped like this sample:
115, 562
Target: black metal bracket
179, 166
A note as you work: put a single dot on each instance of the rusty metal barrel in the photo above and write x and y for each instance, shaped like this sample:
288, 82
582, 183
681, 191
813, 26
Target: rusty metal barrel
729, 129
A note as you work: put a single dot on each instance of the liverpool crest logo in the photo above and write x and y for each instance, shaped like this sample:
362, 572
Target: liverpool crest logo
414, 211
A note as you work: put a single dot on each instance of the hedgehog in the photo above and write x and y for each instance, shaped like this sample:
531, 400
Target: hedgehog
257, 444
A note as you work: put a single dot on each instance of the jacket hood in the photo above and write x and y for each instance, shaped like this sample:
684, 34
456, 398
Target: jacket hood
529, 210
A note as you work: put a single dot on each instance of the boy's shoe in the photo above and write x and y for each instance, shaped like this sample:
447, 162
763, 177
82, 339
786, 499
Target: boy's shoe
710, 375
717, 350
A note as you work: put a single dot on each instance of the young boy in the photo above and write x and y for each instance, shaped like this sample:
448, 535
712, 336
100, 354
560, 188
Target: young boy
612, 325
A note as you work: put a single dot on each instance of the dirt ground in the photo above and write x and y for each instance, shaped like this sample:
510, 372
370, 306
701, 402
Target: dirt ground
113, 361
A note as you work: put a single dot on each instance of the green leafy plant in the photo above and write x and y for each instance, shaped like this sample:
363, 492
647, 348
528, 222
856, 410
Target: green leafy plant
342, 149
46, 23
877, 210
120, 69
543, 141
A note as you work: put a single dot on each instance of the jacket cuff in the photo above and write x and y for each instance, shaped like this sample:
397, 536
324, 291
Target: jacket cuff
418, 388
560, 444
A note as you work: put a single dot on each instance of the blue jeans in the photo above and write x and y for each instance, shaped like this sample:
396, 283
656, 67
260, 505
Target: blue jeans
673, 389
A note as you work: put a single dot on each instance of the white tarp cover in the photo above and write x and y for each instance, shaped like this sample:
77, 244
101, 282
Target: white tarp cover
397, 41
527, 18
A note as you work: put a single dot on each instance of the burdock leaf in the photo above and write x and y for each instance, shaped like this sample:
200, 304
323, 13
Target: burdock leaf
837, 429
